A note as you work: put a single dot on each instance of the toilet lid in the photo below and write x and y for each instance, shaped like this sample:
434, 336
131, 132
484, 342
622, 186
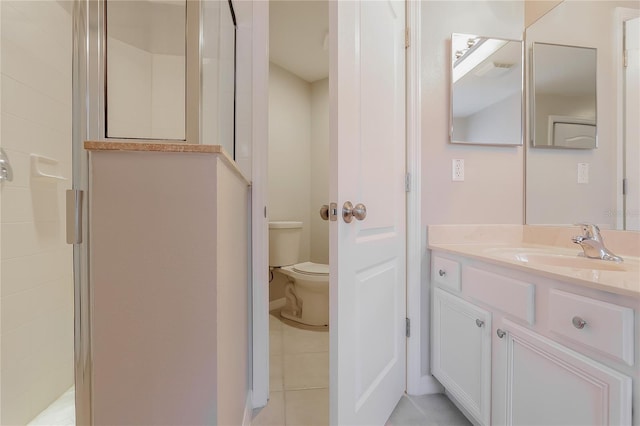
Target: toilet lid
311, 268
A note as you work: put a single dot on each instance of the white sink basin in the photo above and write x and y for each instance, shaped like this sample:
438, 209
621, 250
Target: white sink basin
543, 257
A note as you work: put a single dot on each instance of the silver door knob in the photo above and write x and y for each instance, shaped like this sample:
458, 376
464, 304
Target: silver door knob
501, 333
349, 212
324, 212
479, 322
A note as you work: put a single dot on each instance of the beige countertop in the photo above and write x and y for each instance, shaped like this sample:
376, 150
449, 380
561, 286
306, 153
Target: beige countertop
622, 278
97, 146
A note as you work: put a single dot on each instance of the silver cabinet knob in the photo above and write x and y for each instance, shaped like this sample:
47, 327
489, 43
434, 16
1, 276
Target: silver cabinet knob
324, 212
479, 322
442, 272
501, 333
578, 323
349, 212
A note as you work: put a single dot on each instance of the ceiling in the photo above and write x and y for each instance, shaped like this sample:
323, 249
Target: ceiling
297, 32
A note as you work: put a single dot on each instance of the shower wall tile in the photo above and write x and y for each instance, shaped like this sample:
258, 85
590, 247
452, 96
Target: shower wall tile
34, 106
36, 270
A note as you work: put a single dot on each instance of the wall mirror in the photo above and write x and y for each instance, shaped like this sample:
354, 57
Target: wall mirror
486, 90
567, 186
146, 66
563, 96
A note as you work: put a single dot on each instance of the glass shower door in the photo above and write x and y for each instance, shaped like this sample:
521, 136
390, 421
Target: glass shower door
36, 272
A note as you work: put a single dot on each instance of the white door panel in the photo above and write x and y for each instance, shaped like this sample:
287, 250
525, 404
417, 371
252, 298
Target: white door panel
368, 302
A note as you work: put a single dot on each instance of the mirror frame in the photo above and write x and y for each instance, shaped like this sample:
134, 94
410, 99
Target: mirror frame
522, 91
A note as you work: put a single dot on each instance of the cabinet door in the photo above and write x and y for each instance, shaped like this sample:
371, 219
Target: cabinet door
461, 352
548, 384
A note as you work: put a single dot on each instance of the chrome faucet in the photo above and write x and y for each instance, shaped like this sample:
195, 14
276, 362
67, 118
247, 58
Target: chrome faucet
592, 244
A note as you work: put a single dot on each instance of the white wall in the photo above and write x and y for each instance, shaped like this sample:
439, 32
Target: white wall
553, 194
146, 93
36, 295
290, 151
319, 169
299, 161
170, 333
492, 190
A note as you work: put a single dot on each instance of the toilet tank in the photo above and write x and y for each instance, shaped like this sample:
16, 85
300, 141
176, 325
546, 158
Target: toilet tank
284, 243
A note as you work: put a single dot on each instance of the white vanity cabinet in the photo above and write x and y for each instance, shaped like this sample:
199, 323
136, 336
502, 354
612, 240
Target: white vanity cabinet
462, 352
541, 382
558, 353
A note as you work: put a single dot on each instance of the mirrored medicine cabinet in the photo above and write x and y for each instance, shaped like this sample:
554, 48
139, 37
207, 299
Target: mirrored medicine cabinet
486, 90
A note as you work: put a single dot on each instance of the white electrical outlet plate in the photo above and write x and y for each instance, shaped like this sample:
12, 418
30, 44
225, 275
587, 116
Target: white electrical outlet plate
583, 172
457, 170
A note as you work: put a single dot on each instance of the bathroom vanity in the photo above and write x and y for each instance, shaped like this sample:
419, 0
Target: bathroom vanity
524, 331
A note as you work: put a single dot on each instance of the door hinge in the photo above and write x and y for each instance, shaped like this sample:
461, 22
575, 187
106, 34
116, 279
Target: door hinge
407, 39
624, 186
407, 182
408, 327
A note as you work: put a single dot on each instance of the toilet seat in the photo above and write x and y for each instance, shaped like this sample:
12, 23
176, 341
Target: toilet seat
310, 268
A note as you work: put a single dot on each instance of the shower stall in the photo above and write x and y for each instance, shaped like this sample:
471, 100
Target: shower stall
67, 77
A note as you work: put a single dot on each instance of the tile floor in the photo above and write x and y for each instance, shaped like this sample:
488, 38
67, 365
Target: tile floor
61, 412
300, 393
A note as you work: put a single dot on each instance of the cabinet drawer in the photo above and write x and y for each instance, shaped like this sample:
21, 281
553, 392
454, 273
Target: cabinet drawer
508, 295
446, 272
603, 326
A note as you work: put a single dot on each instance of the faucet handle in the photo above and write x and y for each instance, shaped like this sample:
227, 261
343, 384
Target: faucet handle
590, 230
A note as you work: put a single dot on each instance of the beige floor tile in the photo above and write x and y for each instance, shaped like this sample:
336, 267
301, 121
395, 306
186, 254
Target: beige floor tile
276, 375
272, 414
303, 341
308, 407
306, 371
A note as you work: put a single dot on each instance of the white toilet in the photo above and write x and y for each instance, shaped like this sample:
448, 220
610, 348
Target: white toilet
308, 289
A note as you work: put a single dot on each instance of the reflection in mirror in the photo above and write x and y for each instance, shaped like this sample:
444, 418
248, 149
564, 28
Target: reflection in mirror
218, 75
486, 90
567, 186
145, 50
564, 96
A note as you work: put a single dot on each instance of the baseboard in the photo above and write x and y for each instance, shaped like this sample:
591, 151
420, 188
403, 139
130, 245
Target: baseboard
248, 411
425, 386
277, 304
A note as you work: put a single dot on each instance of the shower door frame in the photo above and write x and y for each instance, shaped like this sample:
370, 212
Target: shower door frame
88, 123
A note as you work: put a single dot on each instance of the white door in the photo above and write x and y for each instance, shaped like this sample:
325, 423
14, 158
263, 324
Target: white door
367, 156
632, 126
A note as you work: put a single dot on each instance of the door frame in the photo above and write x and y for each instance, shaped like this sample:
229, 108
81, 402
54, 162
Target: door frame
622, 14
418, 378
